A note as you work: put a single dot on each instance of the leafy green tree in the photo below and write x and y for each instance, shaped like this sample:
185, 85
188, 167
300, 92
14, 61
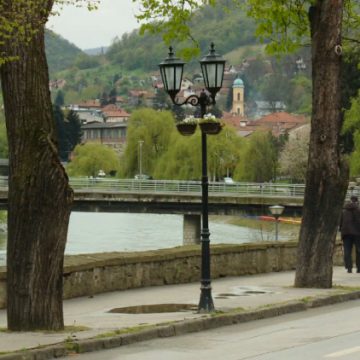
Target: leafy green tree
104, 99
35, 254
112, 96
350, 86
73, 129
299, 99
153, 128
162, 101
294, 156
287, 24
224, 153
68, 132
352, 126
182, 160
274, 88
60, 99
355, 156
62, 139
4, 153
88, 159
84, 61
258, 159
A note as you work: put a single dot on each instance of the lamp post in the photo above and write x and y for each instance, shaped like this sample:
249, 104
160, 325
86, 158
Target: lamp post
140, 158
212, 66
276, 211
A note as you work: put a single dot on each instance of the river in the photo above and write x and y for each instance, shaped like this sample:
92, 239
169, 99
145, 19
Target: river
104, 232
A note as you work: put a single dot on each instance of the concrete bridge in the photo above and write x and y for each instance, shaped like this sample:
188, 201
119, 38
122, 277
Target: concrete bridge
180, 197
176, 197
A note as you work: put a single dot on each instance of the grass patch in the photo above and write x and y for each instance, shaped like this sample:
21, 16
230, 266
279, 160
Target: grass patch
307, 299
346, 288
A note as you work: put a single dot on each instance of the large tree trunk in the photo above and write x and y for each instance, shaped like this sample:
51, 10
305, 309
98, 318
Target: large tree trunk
39, 194
327, 176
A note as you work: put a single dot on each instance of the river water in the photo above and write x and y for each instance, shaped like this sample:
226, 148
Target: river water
104, 232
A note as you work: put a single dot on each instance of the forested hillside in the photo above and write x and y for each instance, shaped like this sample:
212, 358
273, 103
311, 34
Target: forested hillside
60, 53
228, 28
128, 61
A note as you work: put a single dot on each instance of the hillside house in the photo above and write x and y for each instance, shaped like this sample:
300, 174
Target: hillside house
109, 134
88, 111
113, 114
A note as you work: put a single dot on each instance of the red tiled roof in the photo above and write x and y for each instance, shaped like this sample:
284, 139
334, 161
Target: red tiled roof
111, 110
282, 117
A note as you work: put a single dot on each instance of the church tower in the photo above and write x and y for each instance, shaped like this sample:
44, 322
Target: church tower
238, 107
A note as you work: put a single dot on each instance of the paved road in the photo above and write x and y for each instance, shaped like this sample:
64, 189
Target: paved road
331, 332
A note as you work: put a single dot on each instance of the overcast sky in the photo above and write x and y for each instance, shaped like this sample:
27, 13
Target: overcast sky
91, 29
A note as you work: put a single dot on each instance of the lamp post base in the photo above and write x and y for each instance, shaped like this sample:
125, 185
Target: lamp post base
206, 304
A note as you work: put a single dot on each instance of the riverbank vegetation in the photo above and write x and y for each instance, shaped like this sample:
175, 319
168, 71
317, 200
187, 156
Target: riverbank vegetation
3, 217
265, 230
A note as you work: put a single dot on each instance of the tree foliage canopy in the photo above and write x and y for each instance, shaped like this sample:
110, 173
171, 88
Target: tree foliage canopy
88, 159
258, 160
294, 156
153, 129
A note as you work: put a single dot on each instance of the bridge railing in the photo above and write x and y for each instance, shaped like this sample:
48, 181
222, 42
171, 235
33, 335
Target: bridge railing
176, 186
171, 186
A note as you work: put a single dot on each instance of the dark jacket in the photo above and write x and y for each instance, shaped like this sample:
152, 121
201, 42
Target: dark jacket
350, 219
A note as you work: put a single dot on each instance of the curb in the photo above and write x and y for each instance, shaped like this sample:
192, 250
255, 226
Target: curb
176, 329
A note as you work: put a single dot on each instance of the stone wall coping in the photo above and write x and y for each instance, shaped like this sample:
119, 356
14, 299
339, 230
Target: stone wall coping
82, 262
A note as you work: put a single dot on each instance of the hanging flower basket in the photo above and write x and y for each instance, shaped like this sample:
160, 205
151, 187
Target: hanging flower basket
187, 126
210, 128
210, 125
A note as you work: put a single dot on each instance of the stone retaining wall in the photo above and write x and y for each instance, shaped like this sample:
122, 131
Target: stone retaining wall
85, 275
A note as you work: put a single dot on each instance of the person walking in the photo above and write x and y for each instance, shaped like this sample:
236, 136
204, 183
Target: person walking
350, 232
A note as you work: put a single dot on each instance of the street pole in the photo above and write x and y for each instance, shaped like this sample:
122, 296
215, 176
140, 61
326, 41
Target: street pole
206, 303
140, 158
212, 67
276, 211
276, 228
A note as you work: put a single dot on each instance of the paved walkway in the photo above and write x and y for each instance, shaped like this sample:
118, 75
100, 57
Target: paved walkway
257, 295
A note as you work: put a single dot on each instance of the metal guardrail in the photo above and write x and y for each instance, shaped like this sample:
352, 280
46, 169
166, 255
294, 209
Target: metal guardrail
175, 186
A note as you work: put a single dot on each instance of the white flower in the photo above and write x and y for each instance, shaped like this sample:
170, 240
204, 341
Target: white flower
209, 116
190, 120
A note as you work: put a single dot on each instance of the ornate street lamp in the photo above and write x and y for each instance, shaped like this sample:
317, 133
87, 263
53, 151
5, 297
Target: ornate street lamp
276, 211
212, 66
171, 70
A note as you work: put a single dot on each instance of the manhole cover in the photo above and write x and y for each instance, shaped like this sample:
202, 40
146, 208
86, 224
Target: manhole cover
156, 308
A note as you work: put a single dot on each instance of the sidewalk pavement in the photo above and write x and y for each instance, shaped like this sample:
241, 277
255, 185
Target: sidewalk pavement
237, 299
